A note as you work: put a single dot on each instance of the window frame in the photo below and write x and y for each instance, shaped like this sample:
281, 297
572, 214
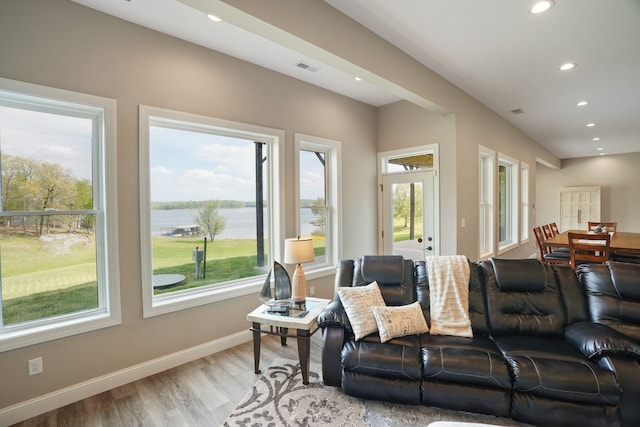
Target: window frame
512, 201
274, 139
102, 111
486, 202
333, 178
524, 202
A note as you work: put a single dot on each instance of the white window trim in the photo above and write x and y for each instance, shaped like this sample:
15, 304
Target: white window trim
514, 203
524, 202
486, 179
170, 302
107, 255
333, 176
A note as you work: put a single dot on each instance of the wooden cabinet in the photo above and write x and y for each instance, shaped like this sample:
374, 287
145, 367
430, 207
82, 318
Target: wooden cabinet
579, 205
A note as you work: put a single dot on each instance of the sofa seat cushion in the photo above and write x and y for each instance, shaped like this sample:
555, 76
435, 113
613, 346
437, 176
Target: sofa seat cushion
550, 368
397, 358
477, 361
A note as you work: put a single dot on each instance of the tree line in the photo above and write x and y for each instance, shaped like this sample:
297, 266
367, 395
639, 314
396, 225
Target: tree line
33, 185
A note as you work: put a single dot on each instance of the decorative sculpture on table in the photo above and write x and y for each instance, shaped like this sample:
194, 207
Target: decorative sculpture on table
279, 300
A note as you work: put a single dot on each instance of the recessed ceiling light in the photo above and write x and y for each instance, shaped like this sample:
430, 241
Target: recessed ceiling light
600, 148
597, 138
582, 103
567, 66
602, 154
541, 6
214, 18
358, 79
590, 125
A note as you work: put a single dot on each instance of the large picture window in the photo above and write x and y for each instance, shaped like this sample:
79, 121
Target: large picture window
58, 228
210, 208
318, 201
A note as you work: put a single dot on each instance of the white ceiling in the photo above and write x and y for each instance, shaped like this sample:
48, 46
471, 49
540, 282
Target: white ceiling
495, 50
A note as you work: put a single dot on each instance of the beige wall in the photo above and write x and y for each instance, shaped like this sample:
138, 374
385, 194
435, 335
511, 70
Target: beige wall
61, 44
617, 175
406, 125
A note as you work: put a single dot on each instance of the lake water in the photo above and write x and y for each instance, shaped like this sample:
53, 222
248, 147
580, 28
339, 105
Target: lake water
240, 222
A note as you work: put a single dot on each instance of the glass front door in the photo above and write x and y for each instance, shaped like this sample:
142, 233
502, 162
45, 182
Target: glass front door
408, 214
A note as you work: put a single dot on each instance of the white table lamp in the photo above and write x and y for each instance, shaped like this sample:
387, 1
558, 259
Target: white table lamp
297, 251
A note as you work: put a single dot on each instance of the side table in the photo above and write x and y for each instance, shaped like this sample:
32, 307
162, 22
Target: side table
305, 322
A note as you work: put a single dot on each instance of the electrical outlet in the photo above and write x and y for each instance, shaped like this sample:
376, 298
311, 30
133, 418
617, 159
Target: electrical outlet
35, 366
312, 291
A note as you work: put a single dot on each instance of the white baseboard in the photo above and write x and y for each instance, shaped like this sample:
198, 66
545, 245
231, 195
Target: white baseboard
48, 402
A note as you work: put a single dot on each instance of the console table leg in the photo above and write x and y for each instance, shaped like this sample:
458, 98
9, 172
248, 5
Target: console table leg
283, 336
304, 353
256, 346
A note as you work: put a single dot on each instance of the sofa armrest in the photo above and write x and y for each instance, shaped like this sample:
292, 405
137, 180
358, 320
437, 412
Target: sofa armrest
335, 315
335, 327
596, 340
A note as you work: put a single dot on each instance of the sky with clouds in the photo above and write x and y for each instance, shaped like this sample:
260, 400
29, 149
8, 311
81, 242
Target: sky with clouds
184, 165
199, 166
47, 137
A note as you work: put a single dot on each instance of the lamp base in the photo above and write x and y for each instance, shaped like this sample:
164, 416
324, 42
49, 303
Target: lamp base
299, 286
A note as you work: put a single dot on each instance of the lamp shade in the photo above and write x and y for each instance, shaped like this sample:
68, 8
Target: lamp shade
298, 250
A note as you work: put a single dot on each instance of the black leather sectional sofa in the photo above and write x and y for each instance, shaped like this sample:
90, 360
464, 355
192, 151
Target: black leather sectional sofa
550, 346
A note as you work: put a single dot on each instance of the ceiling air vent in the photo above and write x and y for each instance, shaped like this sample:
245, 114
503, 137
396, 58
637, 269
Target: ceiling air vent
306, 67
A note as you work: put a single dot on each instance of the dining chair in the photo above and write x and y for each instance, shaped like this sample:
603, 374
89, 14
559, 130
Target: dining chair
546, 229
610, 226
588, 248
546, 254
549, 231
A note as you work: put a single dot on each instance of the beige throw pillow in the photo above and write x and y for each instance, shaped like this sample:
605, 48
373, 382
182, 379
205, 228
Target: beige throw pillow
357, 302
399, 321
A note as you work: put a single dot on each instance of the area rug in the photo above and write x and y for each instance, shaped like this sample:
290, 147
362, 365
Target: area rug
279, 399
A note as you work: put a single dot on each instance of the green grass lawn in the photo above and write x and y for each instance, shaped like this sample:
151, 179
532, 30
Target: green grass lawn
401, 233
56, 276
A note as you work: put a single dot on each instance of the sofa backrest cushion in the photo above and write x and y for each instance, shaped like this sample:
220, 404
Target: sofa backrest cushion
519, 275
394, 274
386, 269
521, 309
477, 306
613, 295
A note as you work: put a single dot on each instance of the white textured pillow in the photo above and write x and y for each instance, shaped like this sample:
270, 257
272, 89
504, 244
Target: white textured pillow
357, 302
399, 321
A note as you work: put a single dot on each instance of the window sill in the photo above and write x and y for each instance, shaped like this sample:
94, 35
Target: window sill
320, 272
168, 303
25, 335
507, 247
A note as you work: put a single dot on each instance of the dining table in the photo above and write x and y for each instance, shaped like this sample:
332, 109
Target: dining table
621, 241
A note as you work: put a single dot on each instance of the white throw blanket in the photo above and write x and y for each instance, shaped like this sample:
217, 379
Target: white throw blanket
449, 295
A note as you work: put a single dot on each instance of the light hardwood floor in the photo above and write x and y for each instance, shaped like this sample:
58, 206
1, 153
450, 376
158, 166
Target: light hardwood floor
200, 393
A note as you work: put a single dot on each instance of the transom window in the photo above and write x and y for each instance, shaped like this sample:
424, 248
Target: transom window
58, 228
210, 208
